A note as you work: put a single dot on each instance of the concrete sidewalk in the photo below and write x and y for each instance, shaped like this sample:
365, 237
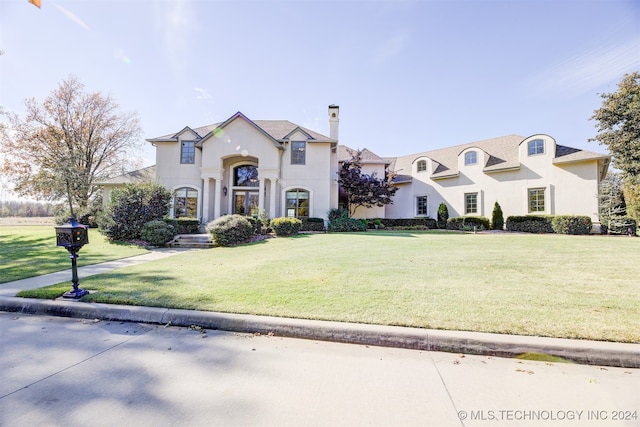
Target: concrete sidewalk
581, 351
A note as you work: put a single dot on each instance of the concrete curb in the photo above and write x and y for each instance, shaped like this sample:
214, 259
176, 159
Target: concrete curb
579, 351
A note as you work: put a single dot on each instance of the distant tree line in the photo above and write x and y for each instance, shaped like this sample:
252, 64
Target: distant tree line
23, 208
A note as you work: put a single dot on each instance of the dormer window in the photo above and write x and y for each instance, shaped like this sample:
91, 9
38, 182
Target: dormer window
188, 152
470, 158
422, 165
536, 147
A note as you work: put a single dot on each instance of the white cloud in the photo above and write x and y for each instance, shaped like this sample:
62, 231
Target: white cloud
202, 93
587, 71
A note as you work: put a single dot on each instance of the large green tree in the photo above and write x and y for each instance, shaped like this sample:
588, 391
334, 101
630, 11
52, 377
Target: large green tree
65, 144
619, 124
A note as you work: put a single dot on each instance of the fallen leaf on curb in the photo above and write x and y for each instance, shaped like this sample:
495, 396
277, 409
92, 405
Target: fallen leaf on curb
528, 371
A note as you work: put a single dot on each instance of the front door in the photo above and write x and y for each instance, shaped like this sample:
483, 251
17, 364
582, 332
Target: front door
246, 203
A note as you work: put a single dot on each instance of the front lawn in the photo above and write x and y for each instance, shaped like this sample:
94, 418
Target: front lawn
29, 251
549, 285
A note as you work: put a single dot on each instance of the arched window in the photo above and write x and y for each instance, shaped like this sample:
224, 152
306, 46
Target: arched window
471, 158
298, 203
185, 203
245, 176
422, 165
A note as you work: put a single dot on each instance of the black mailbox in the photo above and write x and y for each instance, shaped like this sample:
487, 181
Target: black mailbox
72, 237
72, 234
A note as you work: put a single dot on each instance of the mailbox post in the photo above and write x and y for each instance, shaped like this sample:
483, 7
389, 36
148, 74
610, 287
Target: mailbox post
72, 237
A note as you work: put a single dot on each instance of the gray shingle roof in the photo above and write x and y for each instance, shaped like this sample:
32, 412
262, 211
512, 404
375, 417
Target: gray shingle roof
137, 176
276, 129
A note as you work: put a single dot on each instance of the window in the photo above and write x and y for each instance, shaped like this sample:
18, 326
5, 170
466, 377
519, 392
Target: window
471, 203
536, 200
245, 176
298, 203
421, 206
536, 147
185, 203
298, 149
188, 152
471, 158
422, 165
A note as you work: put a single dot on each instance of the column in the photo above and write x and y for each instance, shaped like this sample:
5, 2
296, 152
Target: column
260, 195
205, 201
272, 199
218, 198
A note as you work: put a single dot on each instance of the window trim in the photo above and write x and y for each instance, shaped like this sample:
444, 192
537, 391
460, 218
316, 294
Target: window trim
419, 205
174, 201
295, 160
297, 190
422, 163
537, 145
468, 156
192, 151
530, 199
467, 211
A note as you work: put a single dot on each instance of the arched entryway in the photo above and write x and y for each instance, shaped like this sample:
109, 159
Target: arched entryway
246, 196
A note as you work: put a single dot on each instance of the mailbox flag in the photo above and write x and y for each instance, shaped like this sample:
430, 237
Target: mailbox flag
35, 2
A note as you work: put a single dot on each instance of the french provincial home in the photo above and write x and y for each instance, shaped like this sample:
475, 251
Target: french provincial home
278, 168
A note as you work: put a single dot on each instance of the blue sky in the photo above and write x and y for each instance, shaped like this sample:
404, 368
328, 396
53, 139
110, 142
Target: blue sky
409, 75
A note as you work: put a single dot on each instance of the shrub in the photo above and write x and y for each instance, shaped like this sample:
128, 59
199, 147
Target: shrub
157, 233
229, 230
131, 207
497, 219
530, 223
184, 225
256, 224
443, 215
338, 213
409, 223
571, 224
285, 226
619, 225
312, 224
346, 225
468, 223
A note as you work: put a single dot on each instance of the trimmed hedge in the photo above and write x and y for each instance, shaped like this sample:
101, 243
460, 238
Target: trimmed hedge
157, 233
312, 224
285, 226
530, 223
468, 223
571, 224
340, 225
229, 230
184, 225
414, 223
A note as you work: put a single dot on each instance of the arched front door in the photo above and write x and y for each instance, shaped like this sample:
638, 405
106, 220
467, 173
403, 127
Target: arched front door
246, 198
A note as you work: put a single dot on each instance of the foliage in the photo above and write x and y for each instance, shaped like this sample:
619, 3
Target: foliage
468, 223
157, 233
619, 124
443, 215
631, 191
338, 213
611, 203
131, 206
346, 225
363, 189
530, 223
312, 224
25, 208
622, 225
497, 218
285, 226
229, 230
184, 225
571, 224
66, 144
408, 223
256, 223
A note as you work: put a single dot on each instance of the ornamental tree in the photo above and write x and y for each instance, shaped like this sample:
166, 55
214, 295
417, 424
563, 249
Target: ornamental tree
366, 190
65, 144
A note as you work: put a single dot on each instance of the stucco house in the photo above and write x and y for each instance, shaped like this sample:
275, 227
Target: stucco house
279, 168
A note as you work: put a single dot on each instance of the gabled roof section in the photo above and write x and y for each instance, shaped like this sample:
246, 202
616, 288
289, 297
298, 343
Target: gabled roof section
141, 175
367, 156
570, 155
276, 130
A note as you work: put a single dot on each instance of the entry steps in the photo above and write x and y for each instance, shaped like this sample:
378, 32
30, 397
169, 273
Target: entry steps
202, 241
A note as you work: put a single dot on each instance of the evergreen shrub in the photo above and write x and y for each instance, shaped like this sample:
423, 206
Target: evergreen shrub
497, 218
229, 230
443, 215
346, 225
530, 223
571, 224
157, 233
285, 226
468, 223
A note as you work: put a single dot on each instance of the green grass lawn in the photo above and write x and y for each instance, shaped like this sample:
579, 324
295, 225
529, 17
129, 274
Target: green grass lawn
28, 251
549, 285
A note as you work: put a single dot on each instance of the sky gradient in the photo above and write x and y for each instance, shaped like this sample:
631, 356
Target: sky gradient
409, 76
